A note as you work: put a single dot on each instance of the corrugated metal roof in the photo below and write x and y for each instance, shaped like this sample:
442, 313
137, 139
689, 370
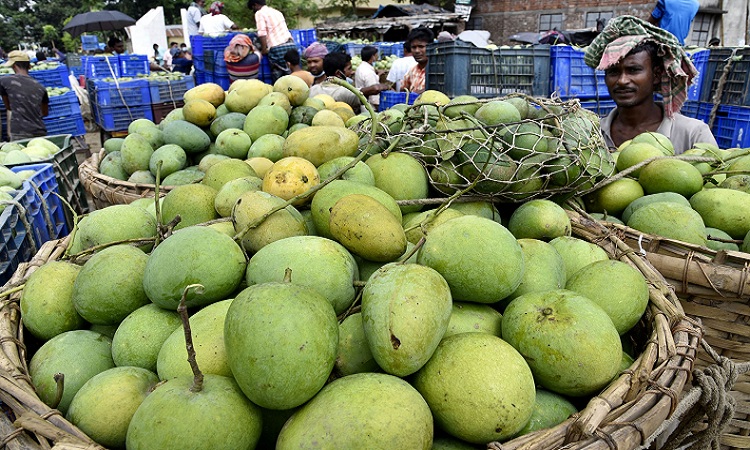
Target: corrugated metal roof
174, 30
407, 10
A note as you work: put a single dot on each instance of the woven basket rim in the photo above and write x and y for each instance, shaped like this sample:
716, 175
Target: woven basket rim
691, 268
628, 411
111, 190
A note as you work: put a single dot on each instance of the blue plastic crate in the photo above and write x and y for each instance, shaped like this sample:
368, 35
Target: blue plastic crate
57, 77
460, 68
303, 37
130, 93
200, 77
89, 42
208, 77
390, 98
391, 48
72, 125
570, 77
264, 74
600, 107
64, 105
732, 127
220, 66
101, 66
354, 49
65, 164
222, 80
700, 61
166, 90
134, 65
736, 90
17, 243
118, 118
45, 207
697, 110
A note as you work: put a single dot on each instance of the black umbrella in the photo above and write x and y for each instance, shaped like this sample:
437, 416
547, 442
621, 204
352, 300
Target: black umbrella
98, 21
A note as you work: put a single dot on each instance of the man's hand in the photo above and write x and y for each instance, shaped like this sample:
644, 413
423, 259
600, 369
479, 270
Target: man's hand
375, 89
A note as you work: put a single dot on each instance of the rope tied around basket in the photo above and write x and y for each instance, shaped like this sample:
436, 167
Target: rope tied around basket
708, 400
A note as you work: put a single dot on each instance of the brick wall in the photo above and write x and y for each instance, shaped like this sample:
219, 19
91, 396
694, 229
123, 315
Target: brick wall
503, 18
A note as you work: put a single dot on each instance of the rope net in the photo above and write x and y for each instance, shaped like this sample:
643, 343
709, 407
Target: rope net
494, 149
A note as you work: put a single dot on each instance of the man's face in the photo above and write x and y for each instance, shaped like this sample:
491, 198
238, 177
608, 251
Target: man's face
200, 2
119, 47
348, 72
315, 66
631, 81
419, 51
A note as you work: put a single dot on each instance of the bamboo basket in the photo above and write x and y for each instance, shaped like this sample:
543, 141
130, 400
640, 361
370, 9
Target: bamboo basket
106, 191
713, 286
628, 412
28, 423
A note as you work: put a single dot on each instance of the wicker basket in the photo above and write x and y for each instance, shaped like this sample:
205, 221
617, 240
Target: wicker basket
628, 412
713, 286
106, 191
28, 423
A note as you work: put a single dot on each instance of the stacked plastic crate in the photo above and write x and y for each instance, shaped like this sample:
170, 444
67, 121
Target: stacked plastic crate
732, 124
167, 94
570, 77
35, 216
460, 68
303, 38
65, 165
64, 115
693, 106
208, 60
116, 96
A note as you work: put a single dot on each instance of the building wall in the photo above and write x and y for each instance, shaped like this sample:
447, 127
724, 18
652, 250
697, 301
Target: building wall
504, 18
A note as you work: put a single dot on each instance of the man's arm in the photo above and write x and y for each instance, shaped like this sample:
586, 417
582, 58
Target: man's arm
263, 44
657, 13
45, 104
6, 102
374, 89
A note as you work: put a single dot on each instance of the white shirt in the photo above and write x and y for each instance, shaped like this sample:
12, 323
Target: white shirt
399, 69
366, 76
193, 17
214, 25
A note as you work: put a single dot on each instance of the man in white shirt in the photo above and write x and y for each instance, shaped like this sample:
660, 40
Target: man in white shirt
400, 67
366, 77
194, 14
215, 23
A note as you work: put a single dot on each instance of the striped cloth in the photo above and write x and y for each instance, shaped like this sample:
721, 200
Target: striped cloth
272, 25
276, 57
623, 33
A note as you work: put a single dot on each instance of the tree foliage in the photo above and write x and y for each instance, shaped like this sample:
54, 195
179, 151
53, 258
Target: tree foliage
41, 21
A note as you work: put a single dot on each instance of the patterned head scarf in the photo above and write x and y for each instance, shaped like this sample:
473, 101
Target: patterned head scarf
239, 47
315, 50
215, 8
623, 33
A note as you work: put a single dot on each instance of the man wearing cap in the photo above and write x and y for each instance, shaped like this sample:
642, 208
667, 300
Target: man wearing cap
314, 55
640, 60
215, 22
25, 99
275, 38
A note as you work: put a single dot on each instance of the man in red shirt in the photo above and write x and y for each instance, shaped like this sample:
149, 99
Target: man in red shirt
418, 39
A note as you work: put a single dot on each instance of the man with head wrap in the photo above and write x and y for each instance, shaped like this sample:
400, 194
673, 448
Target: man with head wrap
314, 55
640, 60
241, 59
215, 22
